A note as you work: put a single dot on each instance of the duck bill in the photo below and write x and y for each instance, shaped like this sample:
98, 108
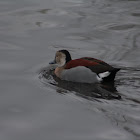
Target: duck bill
53, 62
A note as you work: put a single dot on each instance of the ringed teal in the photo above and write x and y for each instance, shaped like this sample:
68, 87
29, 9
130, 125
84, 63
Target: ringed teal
84, 70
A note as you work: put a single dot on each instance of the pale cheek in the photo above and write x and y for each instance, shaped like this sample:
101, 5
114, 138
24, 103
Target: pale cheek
58, 60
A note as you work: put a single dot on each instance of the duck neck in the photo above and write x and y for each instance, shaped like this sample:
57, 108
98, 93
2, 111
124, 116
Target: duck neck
59, 70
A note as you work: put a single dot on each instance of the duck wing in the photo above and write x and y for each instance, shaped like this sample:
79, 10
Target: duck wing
96, 60
102, 67
93, 64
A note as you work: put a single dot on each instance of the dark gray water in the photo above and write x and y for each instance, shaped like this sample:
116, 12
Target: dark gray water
31, 31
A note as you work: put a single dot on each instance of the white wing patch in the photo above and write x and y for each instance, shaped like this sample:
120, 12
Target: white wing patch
103, 75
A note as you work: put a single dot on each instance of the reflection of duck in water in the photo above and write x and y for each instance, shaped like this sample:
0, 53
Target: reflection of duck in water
80, 76
83, 70
89, 91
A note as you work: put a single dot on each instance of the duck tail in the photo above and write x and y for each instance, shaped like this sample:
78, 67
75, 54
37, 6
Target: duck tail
112, 75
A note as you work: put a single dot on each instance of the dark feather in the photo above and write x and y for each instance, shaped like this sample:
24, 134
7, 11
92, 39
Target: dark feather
102, 67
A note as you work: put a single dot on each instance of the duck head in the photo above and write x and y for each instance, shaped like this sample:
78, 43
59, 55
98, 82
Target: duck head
61, 58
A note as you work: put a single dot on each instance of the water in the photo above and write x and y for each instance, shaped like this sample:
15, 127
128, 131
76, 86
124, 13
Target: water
35, 108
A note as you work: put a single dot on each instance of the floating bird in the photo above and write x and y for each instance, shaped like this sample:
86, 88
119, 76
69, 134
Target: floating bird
83, 70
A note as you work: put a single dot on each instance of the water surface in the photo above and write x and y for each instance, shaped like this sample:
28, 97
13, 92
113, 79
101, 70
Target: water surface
33, 108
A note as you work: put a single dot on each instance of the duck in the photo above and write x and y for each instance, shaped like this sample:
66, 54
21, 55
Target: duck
82, 70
